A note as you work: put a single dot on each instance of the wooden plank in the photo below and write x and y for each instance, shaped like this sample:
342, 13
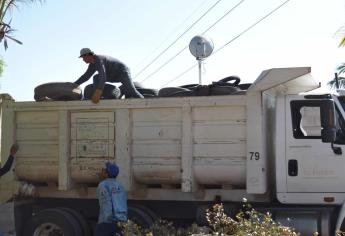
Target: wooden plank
156, 130
64, 181
219, 113
219, 150
38, 133
157, 148
157, 114
219, 131
188, 182
38, 150
37, 117
113, 104
123, 148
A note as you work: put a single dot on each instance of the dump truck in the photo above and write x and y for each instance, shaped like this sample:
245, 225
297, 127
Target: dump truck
278, 145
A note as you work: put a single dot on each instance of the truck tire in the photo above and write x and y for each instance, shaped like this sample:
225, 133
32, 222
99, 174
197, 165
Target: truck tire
85, 227
148, 92
52, 222
223, 90
236, 79
109, 92
142, 216
244, 86
171, 91
58, 91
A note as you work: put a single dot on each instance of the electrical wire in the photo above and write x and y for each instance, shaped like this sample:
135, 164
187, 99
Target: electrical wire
233, 39
173, 57
166, 49
171, 33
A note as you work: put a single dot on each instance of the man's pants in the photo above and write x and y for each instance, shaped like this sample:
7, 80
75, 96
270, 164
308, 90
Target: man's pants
127, 88
107, 229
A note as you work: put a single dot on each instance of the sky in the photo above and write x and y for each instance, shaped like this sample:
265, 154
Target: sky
300, 33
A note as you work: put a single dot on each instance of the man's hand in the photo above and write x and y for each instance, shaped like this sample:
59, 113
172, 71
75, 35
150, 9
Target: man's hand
96, 95
14, 149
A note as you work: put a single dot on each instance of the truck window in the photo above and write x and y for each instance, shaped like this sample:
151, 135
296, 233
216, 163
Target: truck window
306, 121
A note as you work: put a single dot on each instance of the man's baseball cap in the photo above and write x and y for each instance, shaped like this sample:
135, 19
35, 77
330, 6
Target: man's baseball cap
85, 51
112, 169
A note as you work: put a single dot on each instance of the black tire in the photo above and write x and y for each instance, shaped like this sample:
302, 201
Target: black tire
109, 92
141, 216
223, 90
189, 86
170, 91
146, 91
236, 79
58, 91
53, 222
244, 86
84, 226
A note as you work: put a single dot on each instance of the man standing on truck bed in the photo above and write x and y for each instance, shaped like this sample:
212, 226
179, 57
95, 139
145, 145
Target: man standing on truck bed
112, 199
109, 70
9, 162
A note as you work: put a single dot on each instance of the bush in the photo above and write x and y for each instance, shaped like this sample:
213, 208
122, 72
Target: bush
248, 222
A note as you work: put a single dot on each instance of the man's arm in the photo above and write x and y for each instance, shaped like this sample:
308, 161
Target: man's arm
86, 76
105, 205
9, 161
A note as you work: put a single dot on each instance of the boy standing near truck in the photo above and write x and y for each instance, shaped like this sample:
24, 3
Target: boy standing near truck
112, 199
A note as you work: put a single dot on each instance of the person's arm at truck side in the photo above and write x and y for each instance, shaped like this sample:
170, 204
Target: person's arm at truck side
9, 161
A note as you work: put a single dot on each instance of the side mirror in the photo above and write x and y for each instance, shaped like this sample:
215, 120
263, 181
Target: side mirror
327, 116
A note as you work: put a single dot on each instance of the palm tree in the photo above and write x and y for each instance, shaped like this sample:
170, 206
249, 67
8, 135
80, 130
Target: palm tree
5, 28
341, 80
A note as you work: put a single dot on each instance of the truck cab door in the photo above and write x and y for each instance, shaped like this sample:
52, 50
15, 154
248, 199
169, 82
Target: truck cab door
311, 165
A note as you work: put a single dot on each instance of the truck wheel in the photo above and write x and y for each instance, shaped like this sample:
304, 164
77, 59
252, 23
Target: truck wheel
142, 216
86, 230
52, 222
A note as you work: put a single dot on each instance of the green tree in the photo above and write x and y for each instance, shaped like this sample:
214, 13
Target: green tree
341, 80
5, 27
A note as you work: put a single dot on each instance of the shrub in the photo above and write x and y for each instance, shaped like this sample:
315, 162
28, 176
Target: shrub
248, 222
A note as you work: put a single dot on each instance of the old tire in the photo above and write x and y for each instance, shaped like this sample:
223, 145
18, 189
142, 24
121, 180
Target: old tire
84, 226
109, 92
223, 90
148, 92
141, 215
227, 80
244, 86
171, 91
52, 222
58, 91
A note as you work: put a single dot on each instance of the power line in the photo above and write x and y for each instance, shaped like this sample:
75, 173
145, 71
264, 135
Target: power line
166, 49
233, 39
173, 57
172, 32
252, 26
221, 18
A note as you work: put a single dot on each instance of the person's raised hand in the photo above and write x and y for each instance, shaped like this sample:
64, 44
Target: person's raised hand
14, 149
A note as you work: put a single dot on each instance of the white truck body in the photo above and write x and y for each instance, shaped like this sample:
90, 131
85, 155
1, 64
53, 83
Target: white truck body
183, 149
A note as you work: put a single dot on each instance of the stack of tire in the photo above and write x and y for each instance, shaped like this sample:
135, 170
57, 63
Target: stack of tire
227, 86
66, 91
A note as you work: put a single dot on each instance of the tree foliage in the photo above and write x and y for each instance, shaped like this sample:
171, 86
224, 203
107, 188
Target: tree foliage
6, 30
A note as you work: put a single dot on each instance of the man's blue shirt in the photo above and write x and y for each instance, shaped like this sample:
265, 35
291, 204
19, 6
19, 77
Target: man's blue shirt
112, 199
